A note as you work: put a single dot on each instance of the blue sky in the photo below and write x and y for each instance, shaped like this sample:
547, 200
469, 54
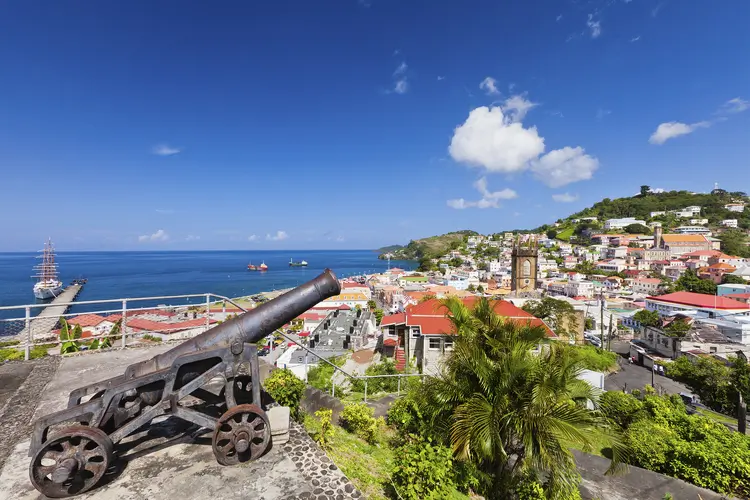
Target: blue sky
355, 124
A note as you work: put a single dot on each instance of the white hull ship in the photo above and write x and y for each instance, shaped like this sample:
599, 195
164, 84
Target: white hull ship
48, 286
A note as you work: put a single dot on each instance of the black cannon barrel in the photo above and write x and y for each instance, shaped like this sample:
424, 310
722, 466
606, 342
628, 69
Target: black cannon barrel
250, 326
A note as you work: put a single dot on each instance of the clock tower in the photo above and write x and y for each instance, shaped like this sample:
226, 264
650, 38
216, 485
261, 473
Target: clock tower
524, 265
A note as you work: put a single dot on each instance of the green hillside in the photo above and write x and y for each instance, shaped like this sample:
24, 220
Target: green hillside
431, 247
641, 206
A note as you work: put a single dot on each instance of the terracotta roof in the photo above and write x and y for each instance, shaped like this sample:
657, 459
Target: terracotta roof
723, 266
700, 300
684, 238
430, 316
159, 326
390, 342
648, 280
353, 284
113, 318
703, 253
312, 315
85, 320
393, 319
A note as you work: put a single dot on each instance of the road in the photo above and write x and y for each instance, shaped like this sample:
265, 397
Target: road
637, 377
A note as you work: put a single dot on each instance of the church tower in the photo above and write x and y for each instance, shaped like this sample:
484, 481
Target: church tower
524, 265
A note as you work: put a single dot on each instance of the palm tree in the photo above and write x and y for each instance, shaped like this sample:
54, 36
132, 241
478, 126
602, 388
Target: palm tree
512, 412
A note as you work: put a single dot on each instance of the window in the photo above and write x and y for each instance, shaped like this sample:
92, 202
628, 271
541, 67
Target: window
415, 332
448, 344
434, 344
526, 268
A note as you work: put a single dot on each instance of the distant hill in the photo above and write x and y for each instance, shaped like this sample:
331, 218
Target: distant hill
642, 205
431, 247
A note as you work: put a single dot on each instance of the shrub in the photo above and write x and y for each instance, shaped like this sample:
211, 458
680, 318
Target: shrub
405, 415
320, 375
323, 437
376, 385
423, 470
530, 489
592, 358
286, 389
11, 354
358, 419
152, 338
623, 409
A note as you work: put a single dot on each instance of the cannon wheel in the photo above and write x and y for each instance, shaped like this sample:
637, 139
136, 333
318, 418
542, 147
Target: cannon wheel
71, 462
242, 434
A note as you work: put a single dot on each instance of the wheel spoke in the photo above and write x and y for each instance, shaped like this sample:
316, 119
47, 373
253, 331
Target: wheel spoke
45, 470
256, 422
259, 434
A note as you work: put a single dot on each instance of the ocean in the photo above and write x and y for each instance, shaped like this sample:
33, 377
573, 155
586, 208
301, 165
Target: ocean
114, 275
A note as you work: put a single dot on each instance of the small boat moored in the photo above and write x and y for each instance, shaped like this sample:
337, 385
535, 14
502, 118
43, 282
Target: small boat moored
302, 263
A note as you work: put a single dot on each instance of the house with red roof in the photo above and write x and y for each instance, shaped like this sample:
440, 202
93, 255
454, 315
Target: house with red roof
711, 306
425, 334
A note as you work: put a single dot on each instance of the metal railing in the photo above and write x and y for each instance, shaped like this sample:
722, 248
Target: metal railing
162, 322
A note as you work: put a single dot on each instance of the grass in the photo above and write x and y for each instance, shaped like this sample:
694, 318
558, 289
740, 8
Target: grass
565, 235
718, 417
601, 444
367, 466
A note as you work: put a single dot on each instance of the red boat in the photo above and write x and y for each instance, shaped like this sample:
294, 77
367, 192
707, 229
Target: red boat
263, 266
251, 267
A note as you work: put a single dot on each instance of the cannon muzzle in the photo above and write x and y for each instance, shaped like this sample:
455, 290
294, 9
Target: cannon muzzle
250, 326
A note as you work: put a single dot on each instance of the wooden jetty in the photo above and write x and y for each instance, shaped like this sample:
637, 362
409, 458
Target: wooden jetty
41, 326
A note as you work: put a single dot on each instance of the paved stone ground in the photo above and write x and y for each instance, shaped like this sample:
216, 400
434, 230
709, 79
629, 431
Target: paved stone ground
328, 480
169, 459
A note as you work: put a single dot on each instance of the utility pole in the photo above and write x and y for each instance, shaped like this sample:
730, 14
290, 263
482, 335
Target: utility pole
609, 338
741, 406
601, 315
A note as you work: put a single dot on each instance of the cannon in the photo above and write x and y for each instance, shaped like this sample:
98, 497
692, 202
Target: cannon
73, 448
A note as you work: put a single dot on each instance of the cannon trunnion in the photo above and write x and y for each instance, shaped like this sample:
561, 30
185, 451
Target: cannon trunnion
72, 449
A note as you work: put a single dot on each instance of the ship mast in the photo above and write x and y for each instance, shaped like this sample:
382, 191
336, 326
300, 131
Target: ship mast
47, 270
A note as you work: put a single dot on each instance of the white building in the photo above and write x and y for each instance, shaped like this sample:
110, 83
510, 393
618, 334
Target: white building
647, 286
692, 230
698, 222
494, 266
457, 282
621, 223
579, 289
729, 223
613, 266
735, 207
656, 214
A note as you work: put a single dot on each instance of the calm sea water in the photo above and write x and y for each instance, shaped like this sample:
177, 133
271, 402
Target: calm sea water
147, 274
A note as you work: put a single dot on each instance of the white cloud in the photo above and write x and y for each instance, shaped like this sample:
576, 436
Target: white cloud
252, 237
558, 18
736, 105
164, 150
159, 235
440, 78
340, 239
191, 237
601, 113
564, 166
494, 141
670, 130
279, 236
516, 107
594, 26
490, 140
402, 86
635, 38
565, 197
401, 69
489, 85
490, 199
655, 10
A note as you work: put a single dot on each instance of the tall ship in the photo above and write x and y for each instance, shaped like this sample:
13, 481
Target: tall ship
48, 286
302, 263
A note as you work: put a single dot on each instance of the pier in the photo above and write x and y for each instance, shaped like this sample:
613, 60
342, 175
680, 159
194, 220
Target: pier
43, 324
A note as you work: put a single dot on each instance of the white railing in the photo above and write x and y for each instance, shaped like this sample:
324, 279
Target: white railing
165, 322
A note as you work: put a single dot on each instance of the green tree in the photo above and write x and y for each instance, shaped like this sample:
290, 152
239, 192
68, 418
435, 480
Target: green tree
734, 242
690, 282
510, 412
558, 314
371, 305
708, 378
470, 288
551, 234
732, 279
455, 262
480, 289
378, 315
645, 190
677, 328
637, 229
